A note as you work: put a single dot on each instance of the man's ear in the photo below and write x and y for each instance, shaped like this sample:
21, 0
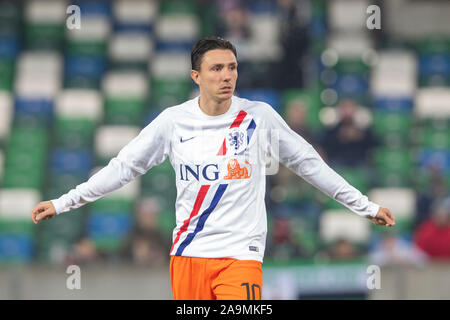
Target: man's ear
195, 75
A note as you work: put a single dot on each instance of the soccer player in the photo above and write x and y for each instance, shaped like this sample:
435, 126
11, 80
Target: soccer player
217, 144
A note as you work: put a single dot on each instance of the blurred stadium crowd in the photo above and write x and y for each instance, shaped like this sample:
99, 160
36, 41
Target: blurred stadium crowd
374, 105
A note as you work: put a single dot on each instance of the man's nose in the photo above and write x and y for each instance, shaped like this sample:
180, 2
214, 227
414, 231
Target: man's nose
227, 75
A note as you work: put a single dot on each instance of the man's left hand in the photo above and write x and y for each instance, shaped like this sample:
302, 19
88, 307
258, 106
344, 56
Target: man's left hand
384, 218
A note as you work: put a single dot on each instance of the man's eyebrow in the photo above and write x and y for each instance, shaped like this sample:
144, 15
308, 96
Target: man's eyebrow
222, 64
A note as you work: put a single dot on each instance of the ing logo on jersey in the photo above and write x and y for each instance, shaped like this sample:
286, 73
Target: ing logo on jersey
235, 171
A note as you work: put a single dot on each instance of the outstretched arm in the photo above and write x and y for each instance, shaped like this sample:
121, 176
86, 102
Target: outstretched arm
149, 148
300, 157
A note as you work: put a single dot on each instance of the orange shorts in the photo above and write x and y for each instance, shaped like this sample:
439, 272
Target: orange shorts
215, 278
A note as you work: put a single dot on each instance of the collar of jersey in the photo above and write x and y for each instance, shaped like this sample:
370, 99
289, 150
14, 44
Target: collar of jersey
230, 111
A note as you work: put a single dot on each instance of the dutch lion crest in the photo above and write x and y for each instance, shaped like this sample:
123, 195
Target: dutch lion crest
236, 139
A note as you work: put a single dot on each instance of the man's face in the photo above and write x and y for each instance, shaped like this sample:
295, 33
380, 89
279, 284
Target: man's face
218, 74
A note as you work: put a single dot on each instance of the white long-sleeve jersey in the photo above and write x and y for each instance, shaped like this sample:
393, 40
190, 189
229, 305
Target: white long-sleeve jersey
221, 165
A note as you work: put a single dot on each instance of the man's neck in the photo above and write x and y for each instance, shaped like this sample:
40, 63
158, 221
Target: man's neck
213, 107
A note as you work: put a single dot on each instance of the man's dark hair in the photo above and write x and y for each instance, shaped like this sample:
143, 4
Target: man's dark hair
207, 44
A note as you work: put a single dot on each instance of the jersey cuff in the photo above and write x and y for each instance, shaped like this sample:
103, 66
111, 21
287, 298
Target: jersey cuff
373, 209
58, 207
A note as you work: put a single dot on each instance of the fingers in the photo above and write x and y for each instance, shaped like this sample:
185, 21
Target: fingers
35, 212
43, 211
384, 218
388, 217
44, 215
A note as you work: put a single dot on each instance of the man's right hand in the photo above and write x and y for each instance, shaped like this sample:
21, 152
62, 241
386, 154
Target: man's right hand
43, 211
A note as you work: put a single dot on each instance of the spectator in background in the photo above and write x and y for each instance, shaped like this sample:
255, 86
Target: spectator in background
393, 250
348, 144
282, 245
147, 246
433, 235
297, 117
343, 250
84, 252
294, 40
436, 189
234, 20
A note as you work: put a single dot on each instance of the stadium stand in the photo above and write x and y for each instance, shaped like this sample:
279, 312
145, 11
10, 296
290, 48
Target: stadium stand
71, 98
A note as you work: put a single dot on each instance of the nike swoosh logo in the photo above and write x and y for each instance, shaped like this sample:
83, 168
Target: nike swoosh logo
181, 139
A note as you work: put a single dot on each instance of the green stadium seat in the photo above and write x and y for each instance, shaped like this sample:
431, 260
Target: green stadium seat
125, 97
25, 158
61, 183
16, 226
30, 176
434, 44
393, 128
124, 111
436, 138
112, 204
167, 221
173, 7
393, 166
44, 36
81, 82
169, 92
159, 180
29, 139
353, 66
6, 75
356, 177
84, 47
45, 24
74, 133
